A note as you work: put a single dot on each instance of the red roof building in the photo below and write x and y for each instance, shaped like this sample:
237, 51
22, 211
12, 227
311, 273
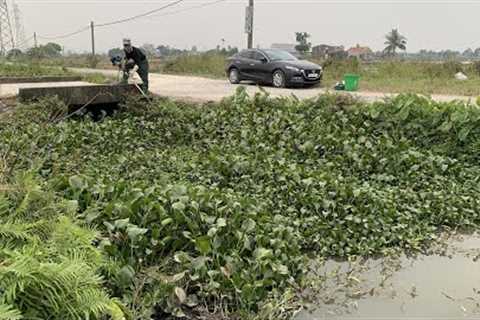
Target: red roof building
360, 52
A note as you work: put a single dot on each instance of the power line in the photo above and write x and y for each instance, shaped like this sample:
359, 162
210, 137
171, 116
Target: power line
204, 5
140, 15
24, 42
65, 35
91, 26
84, 29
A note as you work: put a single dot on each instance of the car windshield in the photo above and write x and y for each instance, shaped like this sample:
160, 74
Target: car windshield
279, 55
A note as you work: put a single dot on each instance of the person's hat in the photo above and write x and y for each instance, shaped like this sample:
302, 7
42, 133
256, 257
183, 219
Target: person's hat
127, 42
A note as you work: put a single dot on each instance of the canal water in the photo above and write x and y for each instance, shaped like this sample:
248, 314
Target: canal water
442, 285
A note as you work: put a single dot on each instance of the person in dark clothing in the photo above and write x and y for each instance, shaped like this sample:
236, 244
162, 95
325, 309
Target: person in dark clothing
135, 56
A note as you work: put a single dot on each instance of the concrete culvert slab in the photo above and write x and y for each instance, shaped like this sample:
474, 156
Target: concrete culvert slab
81, 95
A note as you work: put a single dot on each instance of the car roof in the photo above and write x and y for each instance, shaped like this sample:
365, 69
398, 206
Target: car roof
253, 49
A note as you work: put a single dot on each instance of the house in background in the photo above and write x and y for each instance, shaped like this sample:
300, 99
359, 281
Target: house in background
326, 51
364, 53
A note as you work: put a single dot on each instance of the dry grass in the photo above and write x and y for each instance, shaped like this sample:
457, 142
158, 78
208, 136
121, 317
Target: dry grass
407, 77
392, 76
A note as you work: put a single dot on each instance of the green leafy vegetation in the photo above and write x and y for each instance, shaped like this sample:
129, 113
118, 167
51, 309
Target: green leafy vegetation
97, 78
224, 205
40, 69
30, 70
49, 268
402, 76
211, 65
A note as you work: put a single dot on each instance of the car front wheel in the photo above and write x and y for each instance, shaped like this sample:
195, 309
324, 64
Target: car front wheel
234, 76
279, 80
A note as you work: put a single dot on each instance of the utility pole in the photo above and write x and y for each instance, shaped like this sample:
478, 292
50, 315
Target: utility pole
249, 23
92, 27
35, 43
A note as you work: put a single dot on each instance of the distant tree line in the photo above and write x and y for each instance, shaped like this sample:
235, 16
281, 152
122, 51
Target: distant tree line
449, 54
394, 40
54, 50
49, 50
167, 51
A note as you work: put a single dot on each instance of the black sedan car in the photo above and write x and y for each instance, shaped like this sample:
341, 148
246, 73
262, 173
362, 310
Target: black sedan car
271, 66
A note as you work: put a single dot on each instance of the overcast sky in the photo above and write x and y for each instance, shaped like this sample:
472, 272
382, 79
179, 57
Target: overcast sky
427, 24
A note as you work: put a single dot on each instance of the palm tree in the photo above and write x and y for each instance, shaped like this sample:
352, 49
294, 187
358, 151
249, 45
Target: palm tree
395, 41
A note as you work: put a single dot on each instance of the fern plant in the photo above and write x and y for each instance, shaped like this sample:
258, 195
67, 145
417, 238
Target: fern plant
7, 312
48, 266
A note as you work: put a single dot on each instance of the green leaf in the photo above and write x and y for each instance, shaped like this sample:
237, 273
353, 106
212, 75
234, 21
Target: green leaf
178, 191
212, 232
404, 112
166, 222
179, 206
249, 225
374, 113
134, 232
446, 126
126, 276
308, 182
203, 244
8, 312
262, 253
178, 276
221, 222
282, 269
121, 223
77, 183
110, 227
181, 257
463, 134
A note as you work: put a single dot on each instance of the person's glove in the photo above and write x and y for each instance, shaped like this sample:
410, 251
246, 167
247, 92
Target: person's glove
116, 60
130, 64
132, 71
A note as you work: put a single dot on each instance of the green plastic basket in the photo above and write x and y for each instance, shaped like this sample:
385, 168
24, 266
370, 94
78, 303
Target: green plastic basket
351, 82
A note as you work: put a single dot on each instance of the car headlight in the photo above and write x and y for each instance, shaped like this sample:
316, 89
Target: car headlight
295, 69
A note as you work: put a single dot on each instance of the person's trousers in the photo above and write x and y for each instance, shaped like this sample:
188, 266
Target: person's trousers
143, 73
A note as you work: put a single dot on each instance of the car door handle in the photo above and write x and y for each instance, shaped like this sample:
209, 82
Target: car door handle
252, 64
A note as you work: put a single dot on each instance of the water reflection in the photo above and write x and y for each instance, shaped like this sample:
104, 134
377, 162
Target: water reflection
443, 285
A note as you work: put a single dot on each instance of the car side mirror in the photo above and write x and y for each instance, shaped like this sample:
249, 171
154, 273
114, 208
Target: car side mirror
264, 60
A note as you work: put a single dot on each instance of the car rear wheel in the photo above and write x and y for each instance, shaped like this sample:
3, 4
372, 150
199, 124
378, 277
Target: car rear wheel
234, 76
279, 80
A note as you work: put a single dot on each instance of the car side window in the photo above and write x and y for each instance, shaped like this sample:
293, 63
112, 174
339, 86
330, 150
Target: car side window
245, 54
257, 56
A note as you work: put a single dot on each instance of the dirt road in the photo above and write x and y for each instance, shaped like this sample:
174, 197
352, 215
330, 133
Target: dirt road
200, 89
205, 89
